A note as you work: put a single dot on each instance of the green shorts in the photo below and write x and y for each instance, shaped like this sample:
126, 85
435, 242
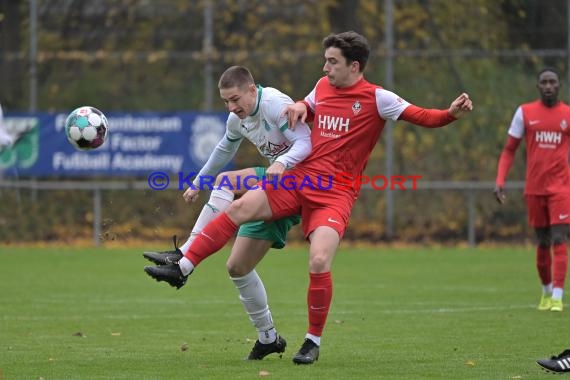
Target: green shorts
275, 231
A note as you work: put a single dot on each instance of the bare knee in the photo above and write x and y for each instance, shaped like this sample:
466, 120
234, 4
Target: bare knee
320, 261
239, 211
236, 269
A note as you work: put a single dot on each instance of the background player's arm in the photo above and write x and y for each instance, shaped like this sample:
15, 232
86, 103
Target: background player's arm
516, 132
505, 162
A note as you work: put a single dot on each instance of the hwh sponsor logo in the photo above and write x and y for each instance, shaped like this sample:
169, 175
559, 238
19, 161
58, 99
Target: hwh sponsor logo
333, 123
548, 137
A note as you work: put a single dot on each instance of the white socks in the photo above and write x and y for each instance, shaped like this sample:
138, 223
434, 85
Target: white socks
557, 293
314, 338
220, 200
547, 289
254, 299
186, 266
251, 290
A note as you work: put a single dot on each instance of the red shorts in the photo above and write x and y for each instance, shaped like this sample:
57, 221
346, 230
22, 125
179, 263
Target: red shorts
548, 210
317, 206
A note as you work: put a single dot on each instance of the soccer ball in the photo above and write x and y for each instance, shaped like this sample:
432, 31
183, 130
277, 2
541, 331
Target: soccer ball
86, 128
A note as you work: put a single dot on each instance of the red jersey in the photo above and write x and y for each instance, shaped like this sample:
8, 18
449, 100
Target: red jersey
547, 137
346, 125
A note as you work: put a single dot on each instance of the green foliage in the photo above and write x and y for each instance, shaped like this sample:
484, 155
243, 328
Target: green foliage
135, 55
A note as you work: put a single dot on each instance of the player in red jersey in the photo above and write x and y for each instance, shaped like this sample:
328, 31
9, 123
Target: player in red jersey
544, 126
348, 115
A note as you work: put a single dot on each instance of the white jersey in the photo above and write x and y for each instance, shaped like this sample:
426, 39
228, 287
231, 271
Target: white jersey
267, 129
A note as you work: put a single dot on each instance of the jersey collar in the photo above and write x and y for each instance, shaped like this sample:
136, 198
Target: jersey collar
259, 91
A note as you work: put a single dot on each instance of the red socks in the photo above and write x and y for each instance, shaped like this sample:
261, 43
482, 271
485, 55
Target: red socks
544, 264
319, 299
560, 265
212, 238
552, 270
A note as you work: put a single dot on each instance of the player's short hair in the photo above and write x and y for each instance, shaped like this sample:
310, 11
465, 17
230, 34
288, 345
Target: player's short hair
235, 76
353, 46
548, 69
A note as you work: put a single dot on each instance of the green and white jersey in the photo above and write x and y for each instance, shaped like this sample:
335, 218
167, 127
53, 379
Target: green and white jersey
267, 129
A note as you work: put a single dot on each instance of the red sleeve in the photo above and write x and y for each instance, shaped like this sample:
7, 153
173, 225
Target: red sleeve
506, 160
310, 113
428, 118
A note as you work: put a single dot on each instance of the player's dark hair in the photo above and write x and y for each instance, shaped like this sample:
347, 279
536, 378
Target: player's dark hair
235, 76
548, 69
353, 46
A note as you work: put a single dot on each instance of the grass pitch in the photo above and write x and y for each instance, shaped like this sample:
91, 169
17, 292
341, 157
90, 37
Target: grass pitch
422, 313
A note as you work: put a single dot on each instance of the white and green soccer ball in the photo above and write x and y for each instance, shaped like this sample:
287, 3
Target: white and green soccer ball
86, 128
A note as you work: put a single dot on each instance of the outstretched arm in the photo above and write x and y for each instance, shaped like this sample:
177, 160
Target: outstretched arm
460, 106
435, 118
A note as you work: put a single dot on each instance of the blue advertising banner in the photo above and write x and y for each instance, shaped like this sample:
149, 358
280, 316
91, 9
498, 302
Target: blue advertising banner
137, 145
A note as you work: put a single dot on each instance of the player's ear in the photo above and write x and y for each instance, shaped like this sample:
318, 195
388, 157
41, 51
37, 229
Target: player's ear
355, 66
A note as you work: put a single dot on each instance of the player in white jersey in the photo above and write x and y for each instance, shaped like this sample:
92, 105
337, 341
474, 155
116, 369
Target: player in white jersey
347, 120
256, 114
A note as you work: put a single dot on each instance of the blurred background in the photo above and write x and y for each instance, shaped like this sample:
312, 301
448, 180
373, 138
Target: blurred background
162, 58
